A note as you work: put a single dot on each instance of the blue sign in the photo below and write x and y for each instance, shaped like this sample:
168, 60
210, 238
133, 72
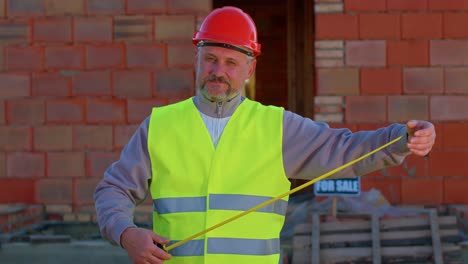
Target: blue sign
338, 187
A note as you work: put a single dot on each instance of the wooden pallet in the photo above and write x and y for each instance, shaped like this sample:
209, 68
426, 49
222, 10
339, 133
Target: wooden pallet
428, 238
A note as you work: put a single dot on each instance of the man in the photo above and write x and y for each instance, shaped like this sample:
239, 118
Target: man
205, 159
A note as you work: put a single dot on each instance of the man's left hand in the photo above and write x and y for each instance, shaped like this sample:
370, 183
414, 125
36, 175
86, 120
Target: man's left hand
421, 137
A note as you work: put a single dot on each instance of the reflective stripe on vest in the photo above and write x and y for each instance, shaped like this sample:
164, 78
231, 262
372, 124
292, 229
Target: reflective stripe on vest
218, 202
237, 246
179, 205
190, 248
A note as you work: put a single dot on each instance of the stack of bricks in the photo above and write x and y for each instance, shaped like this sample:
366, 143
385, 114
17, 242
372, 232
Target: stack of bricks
385, 61
15, 217
76, 80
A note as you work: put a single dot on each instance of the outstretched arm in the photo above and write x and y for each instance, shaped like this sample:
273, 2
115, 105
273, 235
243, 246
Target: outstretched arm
313, 148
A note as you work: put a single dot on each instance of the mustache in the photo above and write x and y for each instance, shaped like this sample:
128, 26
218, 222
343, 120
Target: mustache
214, 78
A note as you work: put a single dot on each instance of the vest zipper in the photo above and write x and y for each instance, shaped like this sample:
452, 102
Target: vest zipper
219, 109
219, 113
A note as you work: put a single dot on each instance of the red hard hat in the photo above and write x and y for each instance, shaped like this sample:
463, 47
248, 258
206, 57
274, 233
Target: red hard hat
229, 26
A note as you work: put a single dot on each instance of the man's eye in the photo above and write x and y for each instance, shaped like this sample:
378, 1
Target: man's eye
232, 63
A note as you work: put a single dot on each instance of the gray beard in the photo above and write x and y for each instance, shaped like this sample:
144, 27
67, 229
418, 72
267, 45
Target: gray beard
227, 97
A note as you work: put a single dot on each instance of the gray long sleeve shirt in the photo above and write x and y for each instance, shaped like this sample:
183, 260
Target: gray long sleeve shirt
310, 149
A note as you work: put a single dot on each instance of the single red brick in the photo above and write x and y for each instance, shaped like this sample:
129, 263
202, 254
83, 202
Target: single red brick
17, 168
93, 29
379, 26
449, 52
175, 27
447, 5
182, 6
62, 58
336, 26
123, 133
64, 8
455, 135
341, 81
15, 31
423, 80
50, 84
92, 83
65, 111
449, 108
52, 30
52, 138
408, 53
98, 162
102, 111
132, 84
140, 109
364, 5
174, 83
15, 138
365, 53
14, 85
405, 5
22, 188
24, 59
448, 163
22, 8
456, 80
101, 7
108, 56
404, 108
421, 26
26, 111
84, 190
93, 137
66, 164
146, 7
181, 55
381, 81
145, 56
129, 29
413, 193
53, 191
452, 22
366, 109
455, 191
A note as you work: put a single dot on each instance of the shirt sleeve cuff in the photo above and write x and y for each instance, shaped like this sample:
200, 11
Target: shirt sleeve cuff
119, 227
400, 146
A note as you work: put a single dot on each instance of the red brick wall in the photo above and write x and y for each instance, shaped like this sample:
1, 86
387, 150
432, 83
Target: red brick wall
77, 77
384, 61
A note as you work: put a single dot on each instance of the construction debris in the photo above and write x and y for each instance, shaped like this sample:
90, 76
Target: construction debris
407, 235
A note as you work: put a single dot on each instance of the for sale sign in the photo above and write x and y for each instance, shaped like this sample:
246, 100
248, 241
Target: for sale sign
338, 187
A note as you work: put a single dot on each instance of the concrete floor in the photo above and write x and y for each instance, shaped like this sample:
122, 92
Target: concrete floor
80, 252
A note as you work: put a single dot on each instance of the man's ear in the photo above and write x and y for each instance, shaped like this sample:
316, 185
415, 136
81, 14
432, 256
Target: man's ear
252, 66
195, 58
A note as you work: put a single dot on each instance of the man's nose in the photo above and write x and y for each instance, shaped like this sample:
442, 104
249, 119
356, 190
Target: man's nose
217, 70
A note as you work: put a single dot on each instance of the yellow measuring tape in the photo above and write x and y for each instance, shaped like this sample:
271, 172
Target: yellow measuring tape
321, 177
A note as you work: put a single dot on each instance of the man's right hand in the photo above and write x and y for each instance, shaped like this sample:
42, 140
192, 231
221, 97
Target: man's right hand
141, 246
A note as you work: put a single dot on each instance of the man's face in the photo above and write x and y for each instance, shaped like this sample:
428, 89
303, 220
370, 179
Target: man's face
221, 73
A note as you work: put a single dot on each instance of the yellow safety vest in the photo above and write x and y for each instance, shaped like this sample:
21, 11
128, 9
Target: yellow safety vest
195, 186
